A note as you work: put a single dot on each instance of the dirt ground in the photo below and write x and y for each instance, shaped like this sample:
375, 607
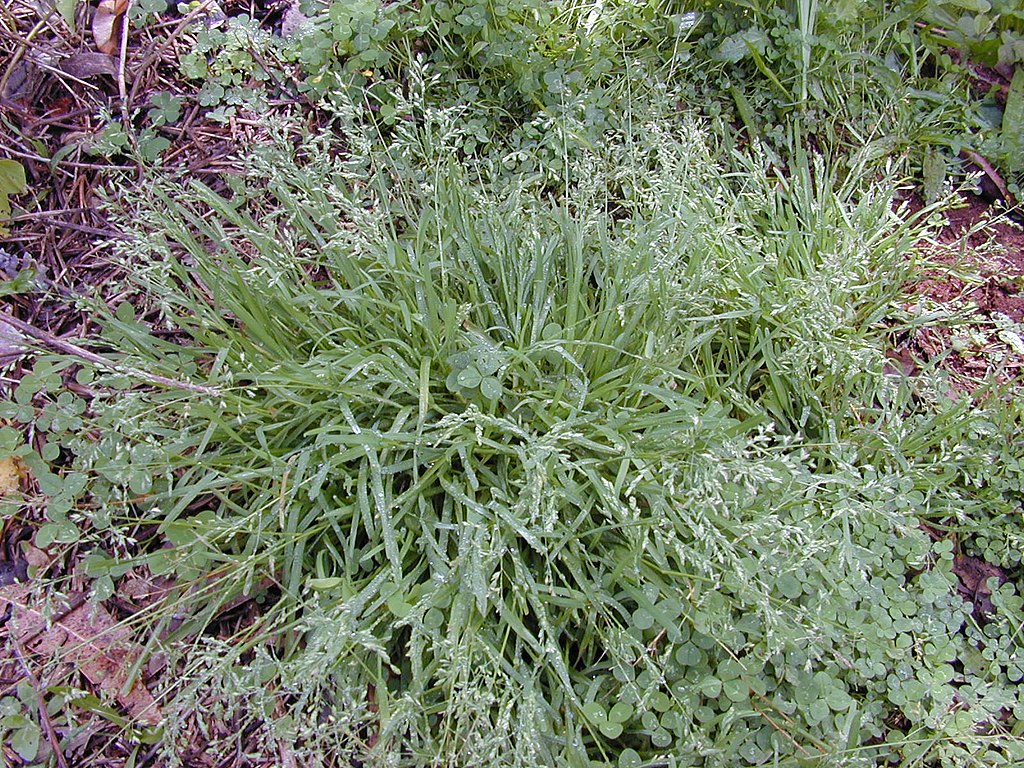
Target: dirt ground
971, 279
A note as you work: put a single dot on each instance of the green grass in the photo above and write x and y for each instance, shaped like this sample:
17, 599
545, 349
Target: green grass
613, 474
523, 416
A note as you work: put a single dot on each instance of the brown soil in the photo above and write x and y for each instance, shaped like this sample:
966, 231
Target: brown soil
979, 237
972, 275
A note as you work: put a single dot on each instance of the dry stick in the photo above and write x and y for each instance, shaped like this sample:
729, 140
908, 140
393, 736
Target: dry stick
991, 172
122, 89
30, 215
60, 345
65, 163
44, 716
50, 218
9, 18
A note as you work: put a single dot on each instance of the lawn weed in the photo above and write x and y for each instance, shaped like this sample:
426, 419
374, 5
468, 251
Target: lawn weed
610, 474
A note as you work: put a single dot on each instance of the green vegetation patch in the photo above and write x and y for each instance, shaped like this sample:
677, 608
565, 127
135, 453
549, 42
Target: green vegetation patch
606, 477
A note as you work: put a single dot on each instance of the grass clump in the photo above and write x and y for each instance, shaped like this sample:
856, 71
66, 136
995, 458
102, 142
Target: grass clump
522, 480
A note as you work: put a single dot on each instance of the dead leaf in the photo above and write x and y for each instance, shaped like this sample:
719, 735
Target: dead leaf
33, 555
107, 25
143, 591
11, 473
86, 636
22, 81
974, 575
86, 64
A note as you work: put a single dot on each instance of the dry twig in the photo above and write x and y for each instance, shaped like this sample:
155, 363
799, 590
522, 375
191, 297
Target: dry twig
44, 715
61, 345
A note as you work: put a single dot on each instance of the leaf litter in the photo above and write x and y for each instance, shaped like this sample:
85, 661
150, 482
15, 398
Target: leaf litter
84, 636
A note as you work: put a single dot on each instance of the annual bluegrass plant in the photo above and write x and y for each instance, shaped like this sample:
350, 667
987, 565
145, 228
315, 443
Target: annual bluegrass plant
520, 479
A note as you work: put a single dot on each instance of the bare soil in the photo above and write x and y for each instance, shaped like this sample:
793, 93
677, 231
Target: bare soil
971, 279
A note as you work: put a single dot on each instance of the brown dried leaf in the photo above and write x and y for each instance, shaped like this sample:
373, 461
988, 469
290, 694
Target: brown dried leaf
143, 591
107, 25
33, 555
86, 64
974, 575
11, 473
88, 637
23, 79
